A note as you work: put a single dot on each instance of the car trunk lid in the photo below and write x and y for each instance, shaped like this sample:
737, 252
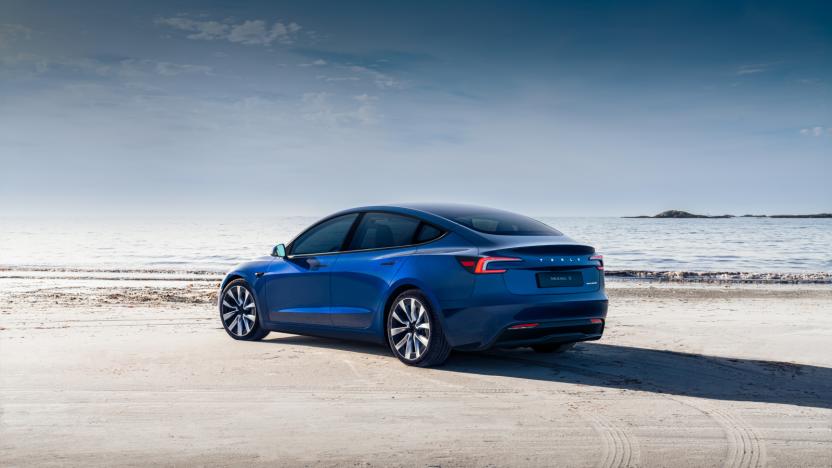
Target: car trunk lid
565, 268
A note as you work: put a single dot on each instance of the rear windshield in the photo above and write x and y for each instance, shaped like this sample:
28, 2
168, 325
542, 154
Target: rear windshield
500, 223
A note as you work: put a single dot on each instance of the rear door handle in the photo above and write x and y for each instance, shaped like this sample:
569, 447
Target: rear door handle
388, 263
315, 264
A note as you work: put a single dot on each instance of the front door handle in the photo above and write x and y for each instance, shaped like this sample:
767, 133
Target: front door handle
388, 263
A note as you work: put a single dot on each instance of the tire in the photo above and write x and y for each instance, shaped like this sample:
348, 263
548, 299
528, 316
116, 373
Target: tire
414, 334
555, 348
238, 312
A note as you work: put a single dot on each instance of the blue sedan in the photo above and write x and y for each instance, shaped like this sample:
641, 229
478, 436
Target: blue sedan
424, 279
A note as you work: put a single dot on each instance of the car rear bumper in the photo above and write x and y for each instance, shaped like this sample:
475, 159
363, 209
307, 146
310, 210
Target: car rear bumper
556, 331
544, 319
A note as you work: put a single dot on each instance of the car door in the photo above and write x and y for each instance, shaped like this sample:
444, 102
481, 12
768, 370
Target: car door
298, 286
378, 248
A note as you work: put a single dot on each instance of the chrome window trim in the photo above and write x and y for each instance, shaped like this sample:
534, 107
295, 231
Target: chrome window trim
361, 213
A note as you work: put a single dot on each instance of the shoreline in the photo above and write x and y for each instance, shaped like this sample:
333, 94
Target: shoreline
48, 288
195, 274
721, 277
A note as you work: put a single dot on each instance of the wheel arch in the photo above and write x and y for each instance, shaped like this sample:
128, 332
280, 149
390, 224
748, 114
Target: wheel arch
400, 287
239, 275
229, 278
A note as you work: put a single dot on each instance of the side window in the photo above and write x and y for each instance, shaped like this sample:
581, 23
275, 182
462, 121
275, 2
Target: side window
427, 233
379, 230
489, 225
325, 237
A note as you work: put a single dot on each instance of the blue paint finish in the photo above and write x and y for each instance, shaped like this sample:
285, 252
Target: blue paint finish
361, 282
344, 293
299, 284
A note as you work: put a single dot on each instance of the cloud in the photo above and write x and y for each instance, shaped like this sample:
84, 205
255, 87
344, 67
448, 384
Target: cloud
249, 32
202, 30
322, 108
815, 131
337, 78
365, 98
173, 69
754, 68
96, 67
25, 64
315, 63
382, 80
809, 81
382, 67
11, 32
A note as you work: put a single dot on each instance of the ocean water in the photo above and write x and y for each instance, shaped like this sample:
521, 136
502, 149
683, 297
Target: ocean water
755, 245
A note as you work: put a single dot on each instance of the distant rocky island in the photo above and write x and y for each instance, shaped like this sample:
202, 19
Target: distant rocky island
678, 214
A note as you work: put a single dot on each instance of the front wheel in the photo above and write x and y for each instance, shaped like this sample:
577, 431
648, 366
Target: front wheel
413, 332
238, 312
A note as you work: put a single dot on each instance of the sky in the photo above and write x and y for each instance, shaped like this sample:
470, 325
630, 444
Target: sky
550, 108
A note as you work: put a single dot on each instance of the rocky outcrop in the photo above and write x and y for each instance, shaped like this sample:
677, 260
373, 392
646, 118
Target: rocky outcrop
679, 214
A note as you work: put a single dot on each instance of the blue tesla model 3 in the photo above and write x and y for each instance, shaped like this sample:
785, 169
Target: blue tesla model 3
425, 279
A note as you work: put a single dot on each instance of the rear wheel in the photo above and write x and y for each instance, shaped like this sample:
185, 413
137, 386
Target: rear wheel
238, 312
413, 332
555, 348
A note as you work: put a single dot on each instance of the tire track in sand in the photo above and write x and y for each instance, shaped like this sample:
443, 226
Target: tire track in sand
620, 447
745, 449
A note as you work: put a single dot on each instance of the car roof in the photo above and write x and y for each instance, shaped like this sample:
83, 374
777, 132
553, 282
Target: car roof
434, 213
443, 210
441, 214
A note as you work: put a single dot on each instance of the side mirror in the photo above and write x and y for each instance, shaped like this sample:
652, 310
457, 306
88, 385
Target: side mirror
279, 251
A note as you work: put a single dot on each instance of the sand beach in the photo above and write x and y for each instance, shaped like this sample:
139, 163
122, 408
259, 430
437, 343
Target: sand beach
101, 368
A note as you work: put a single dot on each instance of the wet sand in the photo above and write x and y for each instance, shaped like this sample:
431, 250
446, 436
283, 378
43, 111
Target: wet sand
133, 372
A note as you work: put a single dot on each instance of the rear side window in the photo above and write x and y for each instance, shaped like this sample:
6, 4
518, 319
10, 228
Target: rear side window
325, 237
380, 230
504, 223
427, 233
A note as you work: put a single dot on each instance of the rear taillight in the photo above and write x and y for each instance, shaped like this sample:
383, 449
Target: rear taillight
482, 265
600, 259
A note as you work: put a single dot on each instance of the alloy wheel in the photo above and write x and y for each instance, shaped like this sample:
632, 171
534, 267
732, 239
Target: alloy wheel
409, 328
238, 310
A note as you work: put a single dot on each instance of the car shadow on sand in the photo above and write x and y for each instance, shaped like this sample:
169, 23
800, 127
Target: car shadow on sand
633, 368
